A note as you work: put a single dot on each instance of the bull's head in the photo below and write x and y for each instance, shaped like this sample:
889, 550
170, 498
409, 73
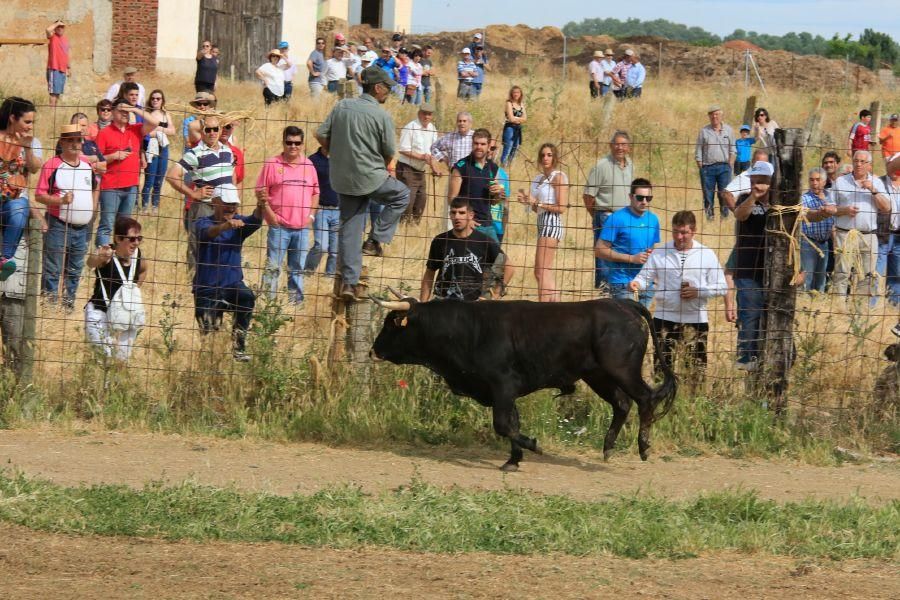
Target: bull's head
395, 341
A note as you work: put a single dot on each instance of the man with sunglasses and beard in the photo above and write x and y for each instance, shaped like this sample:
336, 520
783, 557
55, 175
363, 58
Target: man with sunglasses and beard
627, 240
210, 164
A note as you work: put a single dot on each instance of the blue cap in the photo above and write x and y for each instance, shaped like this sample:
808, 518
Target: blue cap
283, 44
745, 127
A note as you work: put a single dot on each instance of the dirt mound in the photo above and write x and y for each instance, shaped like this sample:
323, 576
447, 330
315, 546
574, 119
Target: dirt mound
509, 45
741, 45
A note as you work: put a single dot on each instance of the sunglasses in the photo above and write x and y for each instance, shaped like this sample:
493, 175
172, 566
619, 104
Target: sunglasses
210, 129
104, 110
642, 198
292, 143
132, 238
228, 127
155, 98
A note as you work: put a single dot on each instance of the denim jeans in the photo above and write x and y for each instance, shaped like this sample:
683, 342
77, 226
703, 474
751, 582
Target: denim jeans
751, 302
114, 203
210, 304
620, 291
426, 91
154, 177
294, 243
601, 271
66, 245
888, 266
512, 139
813, 264
13, 220
327, 225
465, 91
392, 197
714, 176
288, 90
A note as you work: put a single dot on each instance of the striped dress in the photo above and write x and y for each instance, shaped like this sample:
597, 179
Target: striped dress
550, 224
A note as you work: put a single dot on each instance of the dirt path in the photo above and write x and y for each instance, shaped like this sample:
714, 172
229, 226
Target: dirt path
134, 459
42, 565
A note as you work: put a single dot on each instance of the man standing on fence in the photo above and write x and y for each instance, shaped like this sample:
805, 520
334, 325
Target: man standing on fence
416, 140
289, 185
627, 240
859, 197
218, 284
715, 153
606, 191
358, 136
750, 264
57, 60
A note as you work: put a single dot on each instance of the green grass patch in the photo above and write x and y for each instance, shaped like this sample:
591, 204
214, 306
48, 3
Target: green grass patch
424, 518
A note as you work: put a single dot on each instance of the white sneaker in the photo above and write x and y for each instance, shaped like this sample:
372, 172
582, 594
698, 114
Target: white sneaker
749, 366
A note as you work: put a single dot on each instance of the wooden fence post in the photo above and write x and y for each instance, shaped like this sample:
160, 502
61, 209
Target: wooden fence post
781, 265
32, 290
749, 109
875, 109
814, 125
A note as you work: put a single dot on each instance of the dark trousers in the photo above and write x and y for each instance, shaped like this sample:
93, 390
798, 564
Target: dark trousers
692, 335
415, 181
211, 304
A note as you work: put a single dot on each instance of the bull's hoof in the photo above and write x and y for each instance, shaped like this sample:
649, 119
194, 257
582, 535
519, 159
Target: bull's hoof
510, 467
645, 455
537, 448
607, 454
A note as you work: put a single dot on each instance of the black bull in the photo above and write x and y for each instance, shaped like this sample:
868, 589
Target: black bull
496, 352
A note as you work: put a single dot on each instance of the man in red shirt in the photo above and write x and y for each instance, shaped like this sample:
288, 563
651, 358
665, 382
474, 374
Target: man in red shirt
120, 143
861, 133
57, 60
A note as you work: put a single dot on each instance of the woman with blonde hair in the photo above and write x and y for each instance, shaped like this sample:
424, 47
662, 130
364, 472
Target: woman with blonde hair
512, 129
548, 197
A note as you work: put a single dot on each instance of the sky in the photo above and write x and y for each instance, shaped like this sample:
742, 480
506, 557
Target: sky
777, 17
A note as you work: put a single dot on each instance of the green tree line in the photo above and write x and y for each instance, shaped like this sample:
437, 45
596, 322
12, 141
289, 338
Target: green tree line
872, 49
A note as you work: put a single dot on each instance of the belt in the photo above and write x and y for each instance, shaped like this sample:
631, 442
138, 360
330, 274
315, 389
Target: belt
861, 232
67, 224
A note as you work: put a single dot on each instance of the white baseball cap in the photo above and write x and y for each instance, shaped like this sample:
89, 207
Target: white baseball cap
228, 193
761, 167
465, 51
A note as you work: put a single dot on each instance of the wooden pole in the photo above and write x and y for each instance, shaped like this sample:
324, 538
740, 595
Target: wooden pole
814, 125
749, 109
659, 62
875, 109
32, 290
781, 257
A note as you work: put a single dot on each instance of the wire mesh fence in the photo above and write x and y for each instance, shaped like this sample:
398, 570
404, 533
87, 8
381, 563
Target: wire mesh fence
839, 340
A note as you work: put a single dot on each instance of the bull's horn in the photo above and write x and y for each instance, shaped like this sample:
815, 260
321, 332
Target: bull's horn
396, 294
392, 305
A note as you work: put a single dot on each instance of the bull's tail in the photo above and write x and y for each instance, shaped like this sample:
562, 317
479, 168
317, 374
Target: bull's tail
663, 396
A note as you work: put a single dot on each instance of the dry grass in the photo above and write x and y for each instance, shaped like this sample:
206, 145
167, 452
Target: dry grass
663, 124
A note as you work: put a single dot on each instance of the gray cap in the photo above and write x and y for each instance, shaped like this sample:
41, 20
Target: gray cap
373, 75
130, 70
713, 108
426, 107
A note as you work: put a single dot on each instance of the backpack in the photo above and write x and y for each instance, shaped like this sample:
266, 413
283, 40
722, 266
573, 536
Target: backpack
126, 309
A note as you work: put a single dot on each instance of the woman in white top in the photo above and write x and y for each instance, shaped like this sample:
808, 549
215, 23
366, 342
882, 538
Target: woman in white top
548, 197
272, 77
157, 151
764, 130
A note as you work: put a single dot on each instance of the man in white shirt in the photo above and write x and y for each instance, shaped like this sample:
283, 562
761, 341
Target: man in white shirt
740, 185
687, 274
600, 70
128, 76
335, 70
858, 197
416, 139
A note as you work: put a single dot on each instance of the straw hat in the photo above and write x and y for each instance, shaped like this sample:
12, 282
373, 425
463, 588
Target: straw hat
274, 52
72, 130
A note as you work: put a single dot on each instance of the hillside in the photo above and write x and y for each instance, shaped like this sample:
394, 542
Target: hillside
509, 45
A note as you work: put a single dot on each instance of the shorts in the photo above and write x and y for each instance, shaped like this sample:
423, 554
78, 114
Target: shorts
56, 82
550, 225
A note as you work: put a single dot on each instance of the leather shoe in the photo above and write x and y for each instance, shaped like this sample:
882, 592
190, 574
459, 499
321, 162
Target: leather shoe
348, 293
372, 248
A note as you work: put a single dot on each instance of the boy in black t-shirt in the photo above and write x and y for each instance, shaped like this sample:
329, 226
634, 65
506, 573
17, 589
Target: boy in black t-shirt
463, 260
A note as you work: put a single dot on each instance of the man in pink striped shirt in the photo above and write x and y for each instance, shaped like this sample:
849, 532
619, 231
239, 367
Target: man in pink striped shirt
289, 184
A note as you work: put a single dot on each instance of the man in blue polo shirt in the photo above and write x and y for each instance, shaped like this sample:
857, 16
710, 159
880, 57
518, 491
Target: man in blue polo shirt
328, 218
219, 280
627, 239
475, 178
